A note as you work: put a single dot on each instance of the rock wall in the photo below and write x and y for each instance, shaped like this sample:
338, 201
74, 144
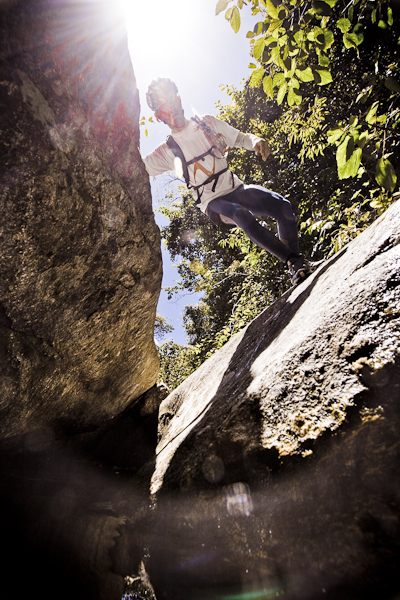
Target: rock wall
80, 261
277, 469
80, 275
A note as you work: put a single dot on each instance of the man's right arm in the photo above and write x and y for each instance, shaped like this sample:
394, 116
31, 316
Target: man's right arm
159, 161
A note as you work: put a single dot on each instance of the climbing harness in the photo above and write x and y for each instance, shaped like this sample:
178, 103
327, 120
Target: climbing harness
217, 147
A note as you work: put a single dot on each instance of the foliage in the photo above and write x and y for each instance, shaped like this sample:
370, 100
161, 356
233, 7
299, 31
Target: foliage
177, 362
161, 327
335, 146
297, 42
142, 123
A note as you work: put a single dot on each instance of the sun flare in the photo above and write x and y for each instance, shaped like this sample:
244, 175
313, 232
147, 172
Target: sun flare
160, 32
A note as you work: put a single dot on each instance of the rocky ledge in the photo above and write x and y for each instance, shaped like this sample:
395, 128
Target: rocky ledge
277, 470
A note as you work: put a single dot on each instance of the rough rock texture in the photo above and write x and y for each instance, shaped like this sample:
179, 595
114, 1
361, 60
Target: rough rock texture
80, 261
80, 275
277, 470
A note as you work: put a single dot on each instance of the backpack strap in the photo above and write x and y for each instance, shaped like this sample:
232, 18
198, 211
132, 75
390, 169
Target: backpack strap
177, 151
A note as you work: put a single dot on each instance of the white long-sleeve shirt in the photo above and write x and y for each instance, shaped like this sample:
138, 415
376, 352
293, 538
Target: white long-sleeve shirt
193, 142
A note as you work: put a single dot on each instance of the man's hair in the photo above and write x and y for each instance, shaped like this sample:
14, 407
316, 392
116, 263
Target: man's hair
153, 92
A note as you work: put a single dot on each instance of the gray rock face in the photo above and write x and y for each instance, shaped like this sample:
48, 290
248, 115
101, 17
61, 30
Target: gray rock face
278, 461
80, 261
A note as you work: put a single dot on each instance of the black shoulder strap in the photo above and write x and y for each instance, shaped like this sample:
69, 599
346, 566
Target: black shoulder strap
177, 150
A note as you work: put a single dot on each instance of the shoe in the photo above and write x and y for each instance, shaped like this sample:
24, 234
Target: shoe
299, 269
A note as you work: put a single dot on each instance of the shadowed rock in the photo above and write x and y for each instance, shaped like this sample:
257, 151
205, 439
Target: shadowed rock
277, 469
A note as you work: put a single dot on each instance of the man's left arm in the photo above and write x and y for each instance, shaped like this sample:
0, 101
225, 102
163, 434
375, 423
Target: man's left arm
237, 139
254, 143
261, 147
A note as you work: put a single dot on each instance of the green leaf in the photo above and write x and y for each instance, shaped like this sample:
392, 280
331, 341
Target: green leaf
376, 204
344, 25
305, 74
258, 47
271, 41
334, 135
370, 117
325, 76
363, 139
293, 97
311, 36
273, 56
281, 93
364, 94
341, 152
256, 77
392, 84
329, 38
360, 38
268, 86
348, 158
323, 60
321, 8
272, 11
235, 19
279, 78
294, 83
221, 5
390, 16
385, 174
352, 40
252, 66
258, 27
250, 34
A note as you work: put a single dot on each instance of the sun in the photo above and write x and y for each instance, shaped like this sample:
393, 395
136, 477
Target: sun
160, 32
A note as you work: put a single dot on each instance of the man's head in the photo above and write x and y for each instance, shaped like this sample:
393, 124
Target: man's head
163, 98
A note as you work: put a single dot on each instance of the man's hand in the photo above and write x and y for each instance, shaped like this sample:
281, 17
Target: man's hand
262, 148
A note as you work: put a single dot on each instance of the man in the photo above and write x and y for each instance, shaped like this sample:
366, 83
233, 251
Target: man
198, 148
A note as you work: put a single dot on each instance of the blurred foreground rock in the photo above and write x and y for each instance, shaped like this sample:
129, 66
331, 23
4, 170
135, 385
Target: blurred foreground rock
278, 470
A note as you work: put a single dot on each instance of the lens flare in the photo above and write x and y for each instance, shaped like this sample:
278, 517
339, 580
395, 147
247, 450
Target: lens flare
239, 502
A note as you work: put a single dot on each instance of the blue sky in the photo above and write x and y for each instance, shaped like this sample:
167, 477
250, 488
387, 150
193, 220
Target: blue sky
185, 41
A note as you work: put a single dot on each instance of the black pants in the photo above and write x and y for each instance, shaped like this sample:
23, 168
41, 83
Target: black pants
248, 201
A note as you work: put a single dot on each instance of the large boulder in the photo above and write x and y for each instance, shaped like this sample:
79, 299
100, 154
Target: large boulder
80, 260
80, 275
277, 470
